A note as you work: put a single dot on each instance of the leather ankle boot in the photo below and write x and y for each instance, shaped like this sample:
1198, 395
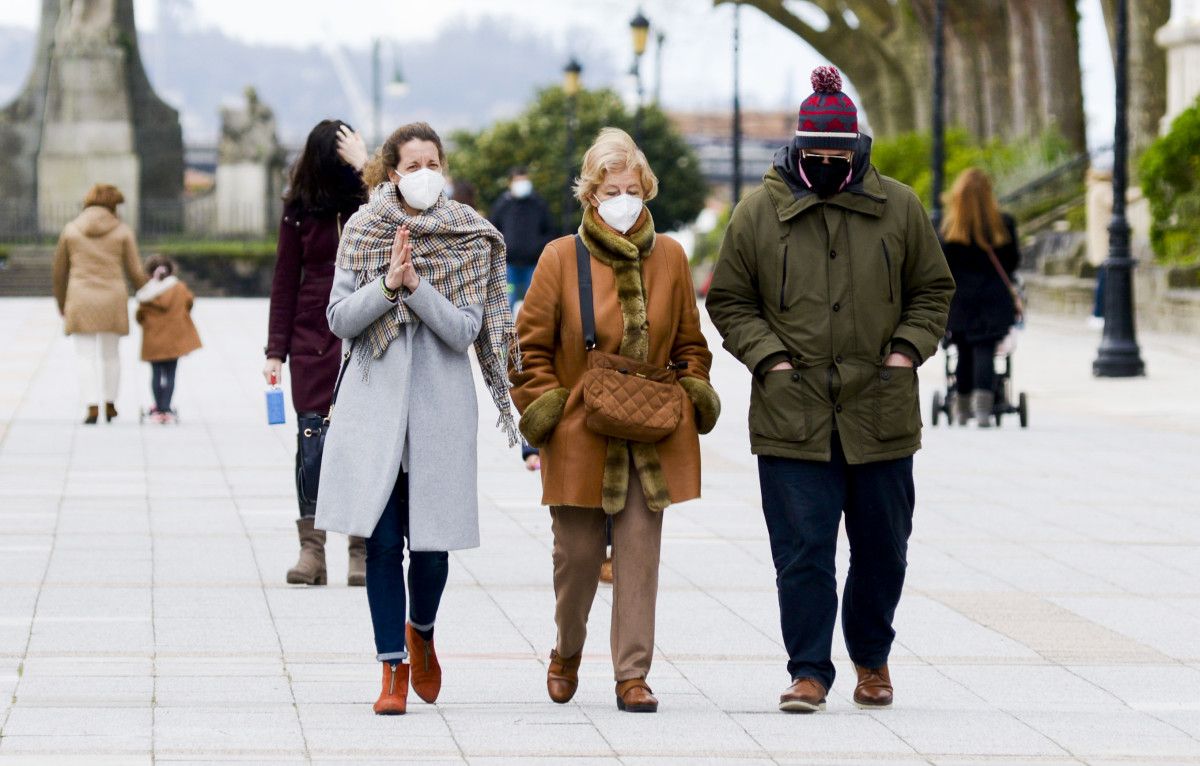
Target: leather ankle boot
426, 673
393, 697
93, 414
310, 569
357, 573
110, 412
874, 689
562, 677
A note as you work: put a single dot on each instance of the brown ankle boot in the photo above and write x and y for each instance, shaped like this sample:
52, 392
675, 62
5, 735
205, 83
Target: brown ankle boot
110, 412
393, 697
634, 696
426, 673
357, 574
93, 414
874, 689
310, 569
562, 677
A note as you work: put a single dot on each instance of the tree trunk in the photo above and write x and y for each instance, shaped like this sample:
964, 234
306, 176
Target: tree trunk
1056, 26
1147, 67
1027, 91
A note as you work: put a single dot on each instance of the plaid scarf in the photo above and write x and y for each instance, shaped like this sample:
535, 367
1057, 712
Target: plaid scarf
461, 255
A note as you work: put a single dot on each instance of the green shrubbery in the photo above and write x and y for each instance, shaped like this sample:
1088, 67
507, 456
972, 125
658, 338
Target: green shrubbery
214, 248
1170, 176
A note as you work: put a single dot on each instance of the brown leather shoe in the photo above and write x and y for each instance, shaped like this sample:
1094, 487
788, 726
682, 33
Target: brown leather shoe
426, 672
634, 696
110, 412
874, 688
562, 677
393, 698
93, 414
804, 696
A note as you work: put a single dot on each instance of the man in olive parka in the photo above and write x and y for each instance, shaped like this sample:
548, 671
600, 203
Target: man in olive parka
832, 289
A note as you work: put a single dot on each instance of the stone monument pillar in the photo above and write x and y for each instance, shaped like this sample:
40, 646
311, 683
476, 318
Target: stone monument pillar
1181, 39
88, 115
249, 169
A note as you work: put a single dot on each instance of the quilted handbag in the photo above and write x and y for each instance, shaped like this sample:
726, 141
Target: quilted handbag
622, 397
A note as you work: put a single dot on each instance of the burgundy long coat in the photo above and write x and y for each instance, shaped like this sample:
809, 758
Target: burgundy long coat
298, 331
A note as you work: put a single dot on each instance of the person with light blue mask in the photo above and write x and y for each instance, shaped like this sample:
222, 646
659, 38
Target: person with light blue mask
523, 218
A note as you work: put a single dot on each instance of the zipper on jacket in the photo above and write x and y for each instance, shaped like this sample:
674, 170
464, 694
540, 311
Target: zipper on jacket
783, 281
887, 258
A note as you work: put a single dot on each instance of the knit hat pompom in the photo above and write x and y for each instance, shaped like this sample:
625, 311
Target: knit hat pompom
826, 79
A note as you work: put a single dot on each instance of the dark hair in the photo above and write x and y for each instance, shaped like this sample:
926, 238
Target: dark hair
518, 170
321, 182
388, 156
154, 261
466, 193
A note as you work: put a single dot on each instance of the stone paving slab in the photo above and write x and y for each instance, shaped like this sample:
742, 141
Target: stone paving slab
1051, 613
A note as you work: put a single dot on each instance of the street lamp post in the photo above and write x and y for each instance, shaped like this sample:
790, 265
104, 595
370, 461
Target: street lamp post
639, 27
572, 73
1119, 356
737, 104
939, 111
396, 86
659, 38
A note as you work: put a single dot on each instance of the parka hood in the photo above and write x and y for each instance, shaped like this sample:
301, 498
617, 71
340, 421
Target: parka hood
865, 192
155, 291
97, 221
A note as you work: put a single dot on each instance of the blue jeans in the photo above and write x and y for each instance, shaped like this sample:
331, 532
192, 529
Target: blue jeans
162, 383
803, 502
519, 278
427, 572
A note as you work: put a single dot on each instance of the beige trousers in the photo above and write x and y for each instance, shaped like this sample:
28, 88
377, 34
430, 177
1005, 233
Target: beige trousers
579, 545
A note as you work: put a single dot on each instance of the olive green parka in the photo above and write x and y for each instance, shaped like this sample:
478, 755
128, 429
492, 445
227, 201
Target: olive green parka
832, 285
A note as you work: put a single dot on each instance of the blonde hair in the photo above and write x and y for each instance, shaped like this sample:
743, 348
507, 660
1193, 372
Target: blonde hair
613, 151
973, 215
104, 195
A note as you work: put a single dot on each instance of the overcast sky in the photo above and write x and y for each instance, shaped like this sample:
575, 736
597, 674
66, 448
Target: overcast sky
696, 56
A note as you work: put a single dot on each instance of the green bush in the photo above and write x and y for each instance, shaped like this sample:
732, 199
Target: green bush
214, 248
1170, 176
537, 139
708, 245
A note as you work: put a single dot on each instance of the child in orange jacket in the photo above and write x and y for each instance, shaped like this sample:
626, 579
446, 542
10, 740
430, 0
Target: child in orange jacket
164, 312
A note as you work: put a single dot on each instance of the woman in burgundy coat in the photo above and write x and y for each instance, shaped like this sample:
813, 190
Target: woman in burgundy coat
326, 189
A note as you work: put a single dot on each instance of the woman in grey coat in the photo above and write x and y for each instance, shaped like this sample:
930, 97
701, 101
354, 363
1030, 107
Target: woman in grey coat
419, 280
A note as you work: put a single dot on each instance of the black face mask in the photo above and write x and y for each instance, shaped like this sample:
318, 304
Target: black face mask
825, 178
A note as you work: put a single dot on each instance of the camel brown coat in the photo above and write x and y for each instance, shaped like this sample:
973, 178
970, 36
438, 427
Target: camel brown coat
553, 356
165, 314
96, 253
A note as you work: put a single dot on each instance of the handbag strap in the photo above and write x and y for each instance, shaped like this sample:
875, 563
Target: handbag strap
337, 386
587, 311
1018, 304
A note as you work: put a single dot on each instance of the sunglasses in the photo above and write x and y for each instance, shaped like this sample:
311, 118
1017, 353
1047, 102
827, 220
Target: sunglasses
805, 155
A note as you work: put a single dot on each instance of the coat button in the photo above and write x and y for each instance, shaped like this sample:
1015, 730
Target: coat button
838, 408
838, 359
832, 254
885, 375
837, 307
796, 376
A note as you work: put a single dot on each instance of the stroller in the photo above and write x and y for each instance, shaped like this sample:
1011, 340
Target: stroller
943, 403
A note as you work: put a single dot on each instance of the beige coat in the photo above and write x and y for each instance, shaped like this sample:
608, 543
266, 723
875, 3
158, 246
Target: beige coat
165, 314
95, 256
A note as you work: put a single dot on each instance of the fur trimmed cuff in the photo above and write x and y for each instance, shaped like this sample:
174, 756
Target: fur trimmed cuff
704, 398
543, 415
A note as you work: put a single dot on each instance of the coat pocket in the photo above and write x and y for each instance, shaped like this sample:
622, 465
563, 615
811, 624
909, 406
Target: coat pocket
777, 406
897, 409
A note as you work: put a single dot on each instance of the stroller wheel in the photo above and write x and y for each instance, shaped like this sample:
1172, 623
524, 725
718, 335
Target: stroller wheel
1023, 410
936, 410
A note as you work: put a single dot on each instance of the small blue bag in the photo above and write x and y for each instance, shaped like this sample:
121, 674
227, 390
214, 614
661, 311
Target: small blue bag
275, 415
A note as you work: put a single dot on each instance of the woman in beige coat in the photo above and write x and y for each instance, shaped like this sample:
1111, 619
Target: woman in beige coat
95, 256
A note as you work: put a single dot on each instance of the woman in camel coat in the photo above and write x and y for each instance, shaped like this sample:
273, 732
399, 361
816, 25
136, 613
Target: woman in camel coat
645, 308
96, 255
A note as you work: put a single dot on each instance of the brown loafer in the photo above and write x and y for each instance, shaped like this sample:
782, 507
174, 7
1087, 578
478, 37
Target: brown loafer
804, 696
562, 677
634, 696
426, 672
393, 698
874, 688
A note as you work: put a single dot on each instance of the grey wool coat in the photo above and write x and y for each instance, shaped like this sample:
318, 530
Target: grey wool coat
416, 409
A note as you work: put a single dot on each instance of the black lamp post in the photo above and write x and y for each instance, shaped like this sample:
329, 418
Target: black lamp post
659, 39
572, 73
639, 27
736, 189
396, 86
939, 112
1119, 356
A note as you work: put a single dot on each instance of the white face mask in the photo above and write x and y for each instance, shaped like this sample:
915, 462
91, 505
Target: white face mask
422, 188
522, 188
621, 212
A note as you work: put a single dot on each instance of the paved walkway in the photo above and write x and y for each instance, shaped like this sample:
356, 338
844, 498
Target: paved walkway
1052, 613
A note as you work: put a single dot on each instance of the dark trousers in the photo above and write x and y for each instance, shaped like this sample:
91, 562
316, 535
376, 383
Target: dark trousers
162, 383
427, 572
976, 368
803, 502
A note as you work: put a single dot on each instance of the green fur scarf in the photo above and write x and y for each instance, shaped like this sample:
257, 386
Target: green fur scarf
624, 253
